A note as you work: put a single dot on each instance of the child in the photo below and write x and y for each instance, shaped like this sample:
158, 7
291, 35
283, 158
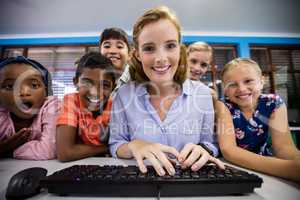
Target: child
27, 110
82, 124
114, 45
160, 114
199, 58
253, 116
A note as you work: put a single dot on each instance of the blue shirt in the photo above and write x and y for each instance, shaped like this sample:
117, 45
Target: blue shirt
253, 134
190, 118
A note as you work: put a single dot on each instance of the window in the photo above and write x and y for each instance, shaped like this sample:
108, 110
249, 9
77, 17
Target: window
281, 66
58, 60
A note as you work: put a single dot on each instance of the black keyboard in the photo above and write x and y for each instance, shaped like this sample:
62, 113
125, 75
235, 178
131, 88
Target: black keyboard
128, 181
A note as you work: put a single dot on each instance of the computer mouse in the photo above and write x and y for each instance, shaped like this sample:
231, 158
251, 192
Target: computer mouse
25, 183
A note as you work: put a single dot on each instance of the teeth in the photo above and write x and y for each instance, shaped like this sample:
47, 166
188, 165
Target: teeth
26, 106
243, 96
161, 69
114, 58
93, 100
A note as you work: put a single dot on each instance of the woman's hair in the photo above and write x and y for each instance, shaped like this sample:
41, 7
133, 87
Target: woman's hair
114, 33
153, 15
200, 46
94, 60
46, 76
240, 61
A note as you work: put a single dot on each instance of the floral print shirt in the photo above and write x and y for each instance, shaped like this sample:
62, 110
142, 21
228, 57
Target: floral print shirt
253, 134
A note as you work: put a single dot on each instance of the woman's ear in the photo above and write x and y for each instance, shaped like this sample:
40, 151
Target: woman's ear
136, 54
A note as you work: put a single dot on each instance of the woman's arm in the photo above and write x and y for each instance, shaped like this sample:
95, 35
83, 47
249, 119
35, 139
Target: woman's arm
68, 147
231, 152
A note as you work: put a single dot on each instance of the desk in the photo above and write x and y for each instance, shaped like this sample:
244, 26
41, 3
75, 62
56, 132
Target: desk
272, 188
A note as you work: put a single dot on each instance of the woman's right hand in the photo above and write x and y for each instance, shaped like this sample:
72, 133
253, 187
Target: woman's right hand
156, 154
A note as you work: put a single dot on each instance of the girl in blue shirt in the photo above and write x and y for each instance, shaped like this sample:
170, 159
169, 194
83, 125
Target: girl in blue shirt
247, 119
160, 114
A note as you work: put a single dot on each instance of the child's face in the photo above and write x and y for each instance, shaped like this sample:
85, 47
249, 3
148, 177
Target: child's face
94, 88
117, 51
242, 85
159, 51
198, 62
22, 90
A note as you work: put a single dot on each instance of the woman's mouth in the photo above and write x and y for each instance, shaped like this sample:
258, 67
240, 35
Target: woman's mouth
161, 69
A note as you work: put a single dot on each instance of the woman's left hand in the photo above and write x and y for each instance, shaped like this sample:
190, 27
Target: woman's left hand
195, 156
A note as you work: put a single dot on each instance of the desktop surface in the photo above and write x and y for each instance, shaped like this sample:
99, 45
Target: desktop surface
272, 187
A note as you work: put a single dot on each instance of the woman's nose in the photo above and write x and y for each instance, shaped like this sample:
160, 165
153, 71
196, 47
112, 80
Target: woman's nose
161, 56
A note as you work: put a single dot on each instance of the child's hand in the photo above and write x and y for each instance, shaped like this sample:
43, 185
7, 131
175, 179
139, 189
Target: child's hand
155, 153
17, 139
195, 156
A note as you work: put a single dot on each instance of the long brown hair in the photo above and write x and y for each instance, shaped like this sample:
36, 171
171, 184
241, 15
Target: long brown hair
153, 15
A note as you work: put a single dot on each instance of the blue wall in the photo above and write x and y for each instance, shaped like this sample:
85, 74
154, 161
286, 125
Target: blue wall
242, 43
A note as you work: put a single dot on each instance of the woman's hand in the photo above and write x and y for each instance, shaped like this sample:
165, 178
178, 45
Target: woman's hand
155, 153
195, 156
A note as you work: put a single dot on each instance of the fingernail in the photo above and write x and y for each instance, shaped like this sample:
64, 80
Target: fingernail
162, 172
172, 170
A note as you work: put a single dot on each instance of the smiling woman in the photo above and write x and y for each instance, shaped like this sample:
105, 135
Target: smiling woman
147, 111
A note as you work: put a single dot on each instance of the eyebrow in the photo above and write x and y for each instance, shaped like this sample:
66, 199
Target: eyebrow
151, 43
87, 79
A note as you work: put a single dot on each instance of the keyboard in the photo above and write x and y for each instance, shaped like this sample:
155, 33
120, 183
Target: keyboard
128, 181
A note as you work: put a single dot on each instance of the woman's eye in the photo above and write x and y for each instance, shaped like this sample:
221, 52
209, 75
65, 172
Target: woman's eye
120, 47
148, 48
171, 45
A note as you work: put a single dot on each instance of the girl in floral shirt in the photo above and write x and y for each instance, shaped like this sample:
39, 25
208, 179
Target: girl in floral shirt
248, 118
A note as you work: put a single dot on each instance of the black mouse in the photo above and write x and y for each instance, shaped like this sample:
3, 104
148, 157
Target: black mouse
25, 183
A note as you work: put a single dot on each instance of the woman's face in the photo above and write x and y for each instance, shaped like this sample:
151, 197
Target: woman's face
159, 51
22, 90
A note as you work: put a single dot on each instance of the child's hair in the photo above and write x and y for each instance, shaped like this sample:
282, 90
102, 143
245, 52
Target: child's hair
240, 61
153, 15
200, 46
114, 33
93, 60
46, 76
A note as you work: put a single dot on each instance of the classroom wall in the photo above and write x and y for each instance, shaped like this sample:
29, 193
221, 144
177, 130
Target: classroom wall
211, 17
237, 22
